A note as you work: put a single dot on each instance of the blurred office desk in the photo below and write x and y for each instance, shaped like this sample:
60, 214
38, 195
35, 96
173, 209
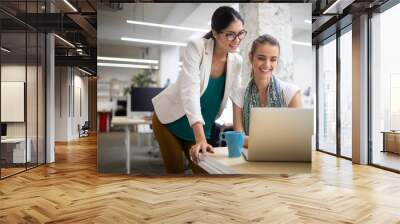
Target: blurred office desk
126, 123
15, 148
219, 163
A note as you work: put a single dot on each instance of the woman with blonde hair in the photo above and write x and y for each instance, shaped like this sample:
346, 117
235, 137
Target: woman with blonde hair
264, 89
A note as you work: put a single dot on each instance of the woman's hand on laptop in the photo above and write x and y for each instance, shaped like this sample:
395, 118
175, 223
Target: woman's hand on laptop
199, 150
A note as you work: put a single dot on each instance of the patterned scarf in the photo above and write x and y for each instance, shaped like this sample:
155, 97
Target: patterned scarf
251, 99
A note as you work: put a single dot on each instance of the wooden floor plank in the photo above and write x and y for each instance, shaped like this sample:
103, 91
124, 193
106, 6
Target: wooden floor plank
71, 191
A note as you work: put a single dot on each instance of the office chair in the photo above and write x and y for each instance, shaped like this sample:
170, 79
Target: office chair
84, 130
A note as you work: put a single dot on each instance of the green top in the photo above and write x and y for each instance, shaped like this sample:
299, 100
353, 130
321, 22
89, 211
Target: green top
210, 103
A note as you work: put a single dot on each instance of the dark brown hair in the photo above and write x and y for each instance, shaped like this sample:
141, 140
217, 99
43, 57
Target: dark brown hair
222, 18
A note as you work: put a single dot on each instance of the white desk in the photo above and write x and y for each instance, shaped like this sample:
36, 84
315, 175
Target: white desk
19, 149
126, 122
219, 163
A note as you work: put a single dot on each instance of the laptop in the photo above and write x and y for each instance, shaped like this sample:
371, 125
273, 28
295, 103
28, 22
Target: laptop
280, 135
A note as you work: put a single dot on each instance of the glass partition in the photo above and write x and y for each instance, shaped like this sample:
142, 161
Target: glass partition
327, 96
14, 154
22, 77
346, 93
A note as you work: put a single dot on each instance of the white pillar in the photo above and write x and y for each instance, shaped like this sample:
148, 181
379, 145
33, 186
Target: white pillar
274, 19
65, 124
153, 53
50, 99
360, 90
169, 60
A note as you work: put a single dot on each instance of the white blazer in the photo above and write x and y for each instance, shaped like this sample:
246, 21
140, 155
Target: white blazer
183, 97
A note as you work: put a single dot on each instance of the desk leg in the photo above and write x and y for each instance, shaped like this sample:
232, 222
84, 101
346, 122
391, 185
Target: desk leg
138, 135
128, 149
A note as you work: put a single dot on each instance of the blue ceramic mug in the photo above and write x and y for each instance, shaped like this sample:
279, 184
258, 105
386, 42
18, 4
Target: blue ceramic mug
234, 140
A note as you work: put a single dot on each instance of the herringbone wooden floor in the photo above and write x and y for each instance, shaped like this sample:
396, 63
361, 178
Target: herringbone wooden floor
71, 191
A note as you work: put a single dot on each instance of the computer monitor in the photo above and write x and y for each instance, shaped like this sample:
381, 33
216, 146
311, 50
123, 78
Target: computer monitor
3, 129
141, 98
121, 103
121, 108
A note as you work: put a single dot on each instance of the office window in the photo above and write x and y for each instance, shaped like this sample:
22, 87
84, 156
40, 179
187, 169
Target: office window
385, 87
327, 96
346, 94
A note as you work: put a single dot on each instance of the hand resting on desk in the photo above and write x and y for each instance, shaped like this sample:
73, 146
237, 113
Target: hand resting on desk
199, 150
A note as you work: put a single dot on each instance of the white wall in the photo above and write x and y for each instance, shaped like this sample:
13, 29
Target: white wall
80, 109
33, 125
14, 73
304, 72
61, 103
68, 83
169, 64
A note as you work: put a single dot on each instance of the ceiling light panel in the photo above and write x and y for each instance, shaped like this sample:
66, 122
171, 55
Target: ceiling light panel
167, 26
148, 41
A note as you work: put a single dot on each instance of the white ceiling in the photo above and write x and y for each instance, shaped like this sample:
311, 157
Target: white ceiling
112, 24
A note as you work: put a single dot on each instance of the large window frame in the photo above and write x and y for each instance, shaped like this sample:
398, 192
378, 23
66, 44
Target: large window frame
381, 9
342, 82
335, 37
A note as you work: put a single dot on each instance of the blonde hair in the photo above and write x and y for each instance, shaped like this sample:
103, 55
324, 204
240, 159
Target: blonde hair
263, 39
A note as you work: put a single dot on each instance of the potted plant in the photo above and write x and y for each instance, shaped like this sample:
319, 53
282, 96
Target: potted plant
142, 79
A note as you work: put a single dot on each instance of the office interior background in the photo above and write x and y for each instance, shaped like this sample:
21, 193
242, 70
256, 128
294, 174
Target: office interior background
50, 84
121, 60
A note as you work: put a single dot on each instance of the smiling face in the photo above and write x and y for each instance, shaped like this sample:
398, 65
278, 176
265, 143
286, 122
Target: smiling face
264, 60
230, 38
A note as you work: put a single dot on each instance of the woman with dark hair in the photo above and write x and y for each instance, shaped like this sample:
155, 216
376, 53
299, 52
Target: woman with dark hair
186, 110
264, 89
